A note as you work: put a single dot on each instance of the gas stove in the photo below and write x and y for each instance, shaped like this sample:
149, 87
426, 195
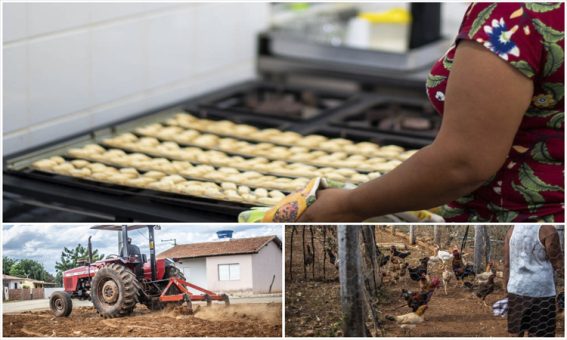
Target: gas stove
394, 116
279, 101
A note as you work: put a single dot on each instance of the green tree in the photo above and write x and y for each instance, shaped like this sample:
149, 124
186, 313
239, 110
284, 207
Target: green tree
7, 264
70, 257
30, 269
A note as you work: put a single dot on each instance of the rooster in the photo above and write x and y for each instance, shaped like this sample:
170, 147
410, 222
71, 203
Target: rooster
461, 270
416, 272
408, 321
482, 290
417, 299
394, 251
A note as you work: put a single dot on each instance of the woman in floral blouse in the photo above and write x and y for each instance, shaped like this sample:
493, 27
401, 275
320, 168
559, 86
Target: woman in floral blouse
499, 155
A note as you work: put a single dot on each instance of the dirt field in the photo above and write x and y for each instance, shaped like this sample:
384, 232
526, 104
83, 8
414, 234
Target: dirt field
242, 320
313, 306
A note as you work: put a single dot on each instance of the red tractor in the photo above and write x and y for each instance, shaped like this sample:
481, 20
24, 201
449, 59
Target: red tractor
116, 284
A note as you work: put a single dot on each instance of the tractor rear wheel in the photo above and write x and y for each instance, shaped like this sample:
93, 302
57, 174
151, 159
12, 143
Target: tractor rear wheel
60, 304
115, 291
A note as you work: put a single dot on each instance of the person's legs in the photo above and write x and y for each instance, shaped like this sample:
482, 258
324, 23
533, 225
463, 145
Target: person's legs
516, 315
542, 318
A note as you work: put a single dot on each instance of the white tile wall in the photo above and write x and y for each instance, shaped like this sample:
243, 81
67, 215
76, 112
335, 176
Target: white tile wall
69, 67
14, 21
15, 85
57, 72
174, 42
119, 60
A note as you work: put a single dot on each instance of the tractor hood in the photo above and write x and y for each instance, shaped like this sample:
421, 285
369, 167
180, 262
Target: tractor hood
81, 271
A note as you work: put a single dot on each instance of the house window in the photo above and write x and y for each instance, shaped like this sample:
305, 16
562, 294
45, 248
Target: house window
229, 272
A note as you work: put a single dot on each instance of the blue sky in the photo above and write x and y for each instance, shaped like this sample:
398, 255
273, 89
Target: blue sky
44, 242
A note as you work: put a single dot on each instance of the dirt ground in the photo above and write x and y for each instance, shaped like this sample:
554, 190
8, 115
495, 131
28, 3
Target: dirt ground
457, 314
241, 320
313, 303
312, 307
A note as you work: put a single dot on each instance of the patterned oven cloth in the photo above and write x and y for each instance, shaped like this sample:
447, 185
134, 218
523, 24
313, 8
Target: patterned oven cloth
292, 207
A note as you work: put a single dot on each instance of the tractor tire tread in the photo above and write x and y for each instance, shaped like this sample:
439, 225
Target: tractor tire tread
130, 288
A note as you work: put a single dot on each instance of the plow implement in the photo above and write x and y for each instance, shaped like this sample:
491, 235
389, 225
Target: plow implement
177, 292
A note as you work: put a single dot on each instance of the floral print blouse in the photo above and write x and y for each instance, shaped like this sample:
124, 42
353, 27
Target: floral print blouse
530, 184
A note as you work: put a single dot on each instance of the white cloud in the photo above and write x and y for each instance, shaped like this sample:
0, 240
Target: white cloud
45, 242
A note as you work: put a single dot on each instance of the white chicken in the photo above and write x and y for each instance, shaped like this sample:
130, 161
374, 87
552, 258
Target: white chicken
408, 321
440, 256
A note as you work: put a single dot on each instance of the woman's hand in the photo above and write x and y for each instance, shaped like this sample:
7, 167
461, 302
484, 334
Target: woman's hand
332, 205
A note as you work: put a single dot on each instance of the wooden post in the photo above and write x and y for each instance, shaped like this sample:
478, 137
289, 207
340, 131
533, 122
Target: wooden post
561, 231
437, 235
291, 254
350, 278
393, 230
303, 242
324, 251
478, 247
487, 246
313, 250
370, 248
412, 234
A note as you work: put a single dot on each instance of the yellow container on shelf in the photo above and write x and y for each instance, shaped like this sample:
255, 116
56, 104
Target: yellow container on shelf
389, 30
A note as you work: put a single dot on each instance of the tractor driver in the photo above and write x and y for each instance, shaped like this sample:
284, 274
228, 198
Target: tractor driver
133, 249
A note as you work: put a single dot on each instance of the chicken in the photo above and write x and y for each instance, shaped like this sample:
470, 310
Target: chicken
416, 299
440, 255
408, 321
395, 264
447, 277
384, 260
483, 277
460, 269
308, 259
424, 282
395, 253
482, 290
416, 272
404, 271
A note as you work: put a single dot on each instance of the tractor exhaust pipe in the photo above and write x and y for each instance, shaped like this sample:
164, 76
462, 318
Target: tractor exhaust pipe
90, 250
124, 236
152, 251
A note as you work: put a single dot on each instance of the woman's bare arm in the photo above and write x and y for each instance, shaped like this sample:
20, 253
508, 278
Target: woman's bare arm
485, 102
550, 239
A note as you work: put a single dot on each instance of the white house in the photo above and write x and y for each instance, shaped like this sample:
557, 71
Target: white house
236, 265
12, 282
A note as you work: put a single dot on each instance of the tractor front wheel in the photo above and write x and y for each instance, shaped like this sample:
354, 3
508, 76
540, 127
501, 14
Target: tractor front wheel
60, 304
115, 291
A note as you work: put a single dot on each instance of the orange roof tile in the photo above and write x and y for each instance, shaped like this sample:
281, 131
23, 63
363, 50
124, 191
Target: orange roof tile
237, 246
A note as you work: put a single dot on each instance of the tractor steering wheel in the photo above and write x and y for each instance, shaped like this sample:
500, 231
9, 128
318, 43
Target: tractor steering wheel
110, 256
